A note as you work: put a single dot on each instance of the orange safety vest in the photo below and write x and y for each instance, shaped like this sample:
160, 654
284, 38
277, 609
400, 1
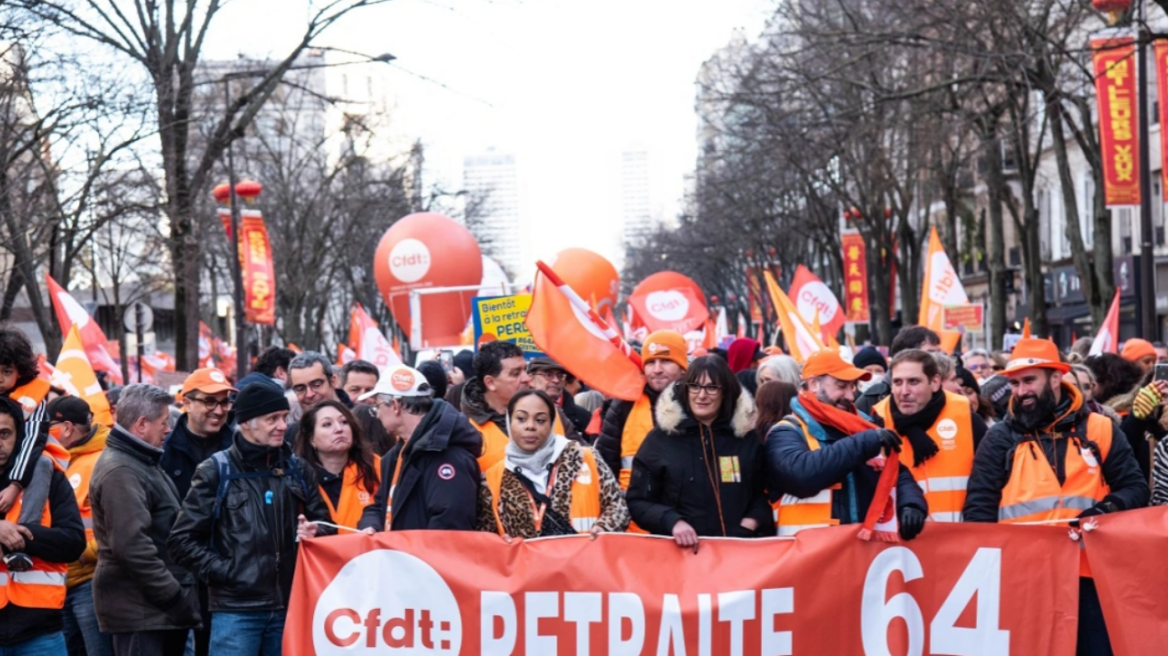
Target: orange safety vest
79, 473
1033, 493
584, 509
637, 426
30, 395
354, 497
43, 586
945, 476
794, 514
495, 441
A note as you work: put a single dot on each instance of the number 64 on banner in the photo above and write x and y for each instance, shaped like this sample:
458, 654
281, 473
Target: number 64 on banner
982, 576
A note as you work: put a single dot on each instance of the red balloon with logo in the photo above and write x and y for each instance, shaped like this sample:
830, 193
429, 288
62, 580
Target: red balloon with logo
669, 301
428, 250
588, 274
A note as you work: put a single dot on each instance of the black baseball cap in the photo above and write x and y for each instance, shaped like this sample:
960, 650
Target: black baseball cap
69, 408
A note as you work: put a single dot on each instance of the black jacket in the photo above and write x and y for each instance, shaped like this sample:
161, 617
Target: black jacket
793, 468
248, 555
183, 451
994, 460
579, 417
672, 470
64, 542
873, 395
137, 586
439, 483
608, 445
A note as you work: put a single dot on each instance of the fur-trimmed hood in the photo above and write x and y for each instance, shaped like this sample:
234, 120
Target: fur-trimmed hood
672, 416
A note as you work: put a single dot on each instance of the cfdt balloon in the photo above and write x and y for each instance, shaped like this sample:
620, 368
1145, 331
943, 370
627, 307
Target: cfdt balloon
669, 301
428, 250
589, 275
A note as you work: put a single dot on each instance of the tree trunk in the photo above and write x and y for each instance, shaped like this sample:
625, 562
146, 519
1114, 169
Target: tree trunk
996, 243
11, 291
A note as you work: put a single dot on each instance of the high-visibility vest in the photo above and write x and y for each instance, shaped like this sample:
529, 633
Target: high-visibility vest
637, 426
354, 496
1033, 493
795, 514
30, 395
43, 586
79, 473
584, 509
495, 441
944, 477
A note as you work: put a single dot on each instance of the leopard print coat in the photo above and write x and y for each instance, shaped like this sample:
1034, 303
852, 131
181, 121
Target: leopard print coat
515, 505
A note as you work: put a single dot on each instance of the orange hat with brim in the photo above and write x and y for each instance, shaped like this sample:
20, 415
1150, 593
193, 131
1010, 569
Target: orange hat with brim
828, 362
208, 381
1034, 352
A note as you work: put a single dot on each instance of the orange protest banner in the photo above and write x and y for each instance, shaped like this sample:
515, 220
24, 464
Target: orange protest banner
259, 275
958, 589
1115, 89
855, 277
970, 317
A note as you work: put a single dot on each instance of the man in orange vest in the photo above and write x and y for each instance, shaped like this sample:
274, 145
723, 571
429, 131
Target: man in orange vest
626, 423
31, 600
71, 424
500, 372
1053, 460
430, 479
940, 431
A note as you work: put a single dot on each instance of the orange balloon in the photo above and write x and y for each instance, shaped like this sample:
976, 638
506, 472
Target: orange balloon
429, 250
588, 274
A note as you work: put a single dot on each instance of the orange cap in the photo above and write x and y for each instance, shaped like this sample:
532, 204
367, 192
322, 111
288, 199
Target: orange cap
1035, 352
208, 381
665, 345
828, 362
1136, 348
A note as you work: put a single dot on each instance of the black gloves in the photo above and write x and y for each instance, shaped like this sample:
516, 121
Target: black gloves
912, 522
889, 441
740, 531
1101, 508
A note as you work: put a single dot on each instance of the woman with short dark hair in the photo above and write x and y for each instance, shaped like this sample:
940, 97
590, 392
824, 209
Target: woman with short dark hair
700, 471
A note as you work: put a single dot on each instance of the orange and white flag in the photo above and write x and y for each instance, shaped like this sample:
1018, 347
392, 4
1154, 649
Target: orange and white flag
564, 328
1107, 339
941, 287
74, 374
802, 340
366, 338
70, 313
345, 355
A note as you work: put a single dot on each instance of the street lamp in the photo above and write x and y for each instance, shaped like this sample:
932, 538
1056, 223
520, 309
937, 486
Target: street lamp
241, 359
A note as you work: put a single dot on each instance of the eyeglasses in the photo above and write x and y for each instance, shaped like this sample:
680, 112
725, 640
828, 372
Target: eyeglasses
315, 385
978, 367
698, 388
555, 376
209, 403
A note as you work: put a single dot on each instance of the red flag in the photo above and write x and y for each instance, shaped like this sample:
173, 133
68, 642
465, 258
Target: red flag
816, 302
579, 340
676, 309
70, 313
368, 341
1107, 340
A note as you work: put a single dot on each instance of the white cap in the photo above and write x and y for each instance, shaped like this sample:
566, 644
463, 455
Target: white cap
399, 380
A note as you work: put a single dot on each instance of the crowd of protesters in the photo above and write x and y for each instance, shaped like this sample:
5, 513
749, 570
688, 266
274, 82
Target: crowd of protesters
155, 536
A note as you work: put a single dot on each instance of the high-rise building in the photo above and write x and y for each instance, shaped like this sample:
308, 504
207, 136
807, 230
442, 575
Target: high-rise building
636, 212
494, 177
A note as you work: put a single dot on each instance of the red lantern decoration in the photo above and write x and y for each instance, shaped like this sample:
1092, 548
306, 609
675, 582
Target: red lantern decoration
887, 213
1112, 6
856, 213
221, 192
714, 300
248, 190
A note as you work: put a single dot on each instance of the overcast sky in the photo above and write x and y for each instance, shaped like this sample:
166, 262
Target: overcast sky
565, 86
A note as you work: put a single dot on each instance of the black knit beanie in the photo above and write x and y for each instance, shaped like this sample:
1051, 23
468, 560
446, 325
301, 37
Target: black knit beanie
869, 356
258, 400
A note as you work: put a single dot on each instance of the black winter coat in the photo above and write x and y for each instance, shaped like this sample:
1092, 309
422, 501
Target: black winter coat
63, 542
579, 417
248, 555
183, 451
608, 444
439, 483
873, 395
793, 468
672, 470
994, 461
137, 586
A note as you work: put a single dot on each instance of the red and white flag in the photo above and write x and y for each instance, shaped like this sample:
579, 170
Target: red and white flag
816, 302
70, 313
1107, 339
345, 355
366, 338
563, 327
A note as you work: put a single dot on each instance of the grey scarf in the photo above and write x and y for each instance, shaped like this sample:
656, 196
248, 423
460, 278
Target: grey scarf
535, 466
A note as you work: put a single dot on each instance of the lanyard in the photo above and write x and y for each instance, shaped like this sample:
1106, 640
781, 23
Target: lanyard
538, 510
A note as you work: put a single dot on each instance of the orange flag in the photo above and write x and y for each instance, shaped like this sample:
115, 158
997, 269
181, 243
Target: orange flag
345, 355
574, 339
70, 313
802, 340
1026, 328
370, 344
75, 375
941, 287
1107, 339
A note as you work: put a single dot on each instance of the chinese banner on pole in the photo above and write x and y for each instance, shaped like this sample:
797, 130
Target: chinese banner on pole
1115, 89
957, 589
855, 277
1162, 95
259, 275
